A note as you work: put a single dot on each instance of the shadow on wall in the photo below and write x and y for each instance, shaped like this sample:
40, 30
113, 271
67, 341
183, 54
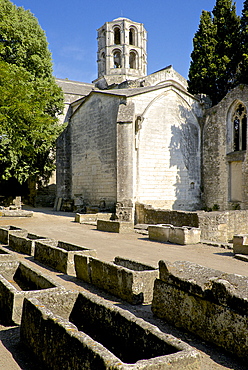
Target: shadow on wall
185, 155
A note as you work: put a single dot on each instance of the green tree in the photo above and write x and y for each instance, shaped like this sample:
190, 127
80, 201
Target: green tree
22, 41
216, 57
243, 77
202, 67
227, 51
30, 99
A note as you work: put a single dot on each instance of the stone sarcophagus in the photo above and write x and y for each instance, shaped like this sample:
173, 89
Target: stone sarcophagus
209, 303
6, 230
120, 227
129, 280
17, 281
60, 255
176, 235
23, 242
240, 244
96, 335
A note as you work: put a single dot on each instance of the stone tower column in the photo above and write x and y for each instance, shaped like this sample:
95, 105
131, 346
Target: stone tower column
121, 52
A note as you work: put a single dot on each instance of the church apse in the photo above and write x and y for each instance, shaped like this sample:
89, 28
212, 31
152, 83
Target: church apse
169, 155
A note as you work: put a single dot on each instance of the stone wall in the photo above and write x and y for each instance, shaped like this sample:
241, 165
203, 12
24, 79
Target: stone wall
218, 154
93, 150
206, 302
146, 214
222, 226
215, 226
168, 150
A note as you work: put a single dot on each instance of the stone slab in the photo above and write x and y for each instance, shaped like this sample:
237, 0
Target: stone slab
241, 257
87, 217
16, 213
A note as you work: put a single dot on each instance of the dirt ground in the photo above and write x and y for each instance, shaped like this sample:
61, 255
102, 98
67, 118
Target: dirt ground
61, 226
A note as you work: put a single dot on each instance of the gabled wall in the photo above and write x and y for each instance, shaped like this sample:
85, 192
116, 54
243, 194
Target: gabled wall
168, 150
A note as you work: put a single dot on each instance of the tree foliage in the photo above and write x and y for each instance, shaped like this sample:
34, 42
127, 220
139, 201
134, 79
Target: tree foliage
216, 58
243, 75
30, 99
202, 68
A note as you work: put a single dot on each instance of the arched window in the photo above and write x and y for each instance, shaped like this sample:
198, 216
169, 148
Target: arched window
132, 36
103, 62
132, 60
117, 59
117, 36
239, 128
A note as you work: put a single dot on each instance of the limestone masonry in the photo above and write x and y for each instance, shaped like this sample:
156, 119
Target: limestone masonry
136, 138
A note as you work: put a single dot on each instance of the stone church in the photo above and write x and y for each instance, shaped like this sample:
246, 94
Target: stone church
134, 138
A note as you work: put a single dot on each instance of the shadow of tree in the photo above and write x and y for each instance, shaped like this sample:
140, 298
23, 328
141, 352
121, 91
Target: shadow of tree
185, 156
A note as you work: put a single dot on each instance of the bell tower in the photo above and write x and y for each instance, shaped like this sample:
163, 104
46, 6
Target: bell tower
121, 52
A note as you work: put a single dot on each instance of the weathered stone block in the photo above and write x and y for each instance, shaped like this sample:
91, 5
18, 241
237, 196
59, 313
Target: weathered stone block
16, 213
85, 217
82, 268
160, 233
129, 280
207, 302
60, 255
19, 280
4, 233
100, 336
185, 235
177, 235
240, 244
23, 242
5, 255
115, 226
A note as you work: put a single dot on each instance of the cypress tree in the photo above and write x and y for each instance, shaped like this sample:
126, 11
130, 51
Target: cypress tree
216, 55
243, 76
202, 68
227, 50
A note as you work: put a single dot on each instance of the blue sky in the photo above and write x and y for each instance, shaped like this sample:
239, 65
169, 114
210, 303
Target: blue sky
71, 26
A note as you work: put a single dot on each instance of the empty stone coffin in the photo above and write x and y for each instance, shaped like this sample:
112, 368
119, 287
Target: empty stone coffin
177, 235
60, 255
19, 280
209, 303
23, 242
4, 233
95, 335
240, 244
129, 280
